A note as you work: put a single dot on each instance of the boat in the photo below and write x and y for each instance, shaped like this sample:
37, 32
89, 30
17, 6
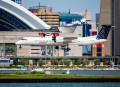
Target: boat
68, 72
38, 69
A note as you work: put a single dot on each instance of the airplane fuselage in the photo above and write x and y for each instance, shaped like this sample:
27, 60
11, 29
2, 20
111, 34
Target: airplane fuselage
81, 41
40, 41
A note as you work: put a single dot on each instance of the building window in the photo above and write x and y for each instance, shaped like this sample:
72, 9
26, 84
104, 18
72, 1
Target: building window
99, 49
35, 45
35, 53
35, 49
99, 54
94, 33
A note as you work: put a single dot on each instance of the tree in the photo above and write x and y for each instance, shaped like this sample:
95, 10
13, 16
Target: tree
54, 61
15, 62
40, 62
67, 62
97, 61
85, 61
24, 62
61, 62
64, 61
78, 61
106, 61
34, 62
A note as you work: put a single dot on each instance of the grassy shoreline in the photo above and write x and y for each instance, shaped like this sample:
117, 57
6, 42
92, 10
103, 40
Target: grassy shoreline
61, 76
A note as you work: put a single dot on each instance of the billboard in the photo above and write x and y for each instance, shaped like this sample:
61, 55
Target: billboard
10, 49
50, 50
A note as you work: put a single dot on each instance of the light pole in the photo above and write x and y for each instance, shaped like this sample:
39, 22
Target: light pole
3, 45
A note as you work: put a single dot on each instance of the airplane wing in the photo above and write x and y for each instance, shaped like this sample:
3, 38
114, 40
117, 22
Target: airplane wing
69, 39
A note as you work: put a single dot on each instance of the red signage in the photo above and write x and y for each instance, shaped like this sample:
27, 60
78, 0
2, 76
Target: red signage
41, 33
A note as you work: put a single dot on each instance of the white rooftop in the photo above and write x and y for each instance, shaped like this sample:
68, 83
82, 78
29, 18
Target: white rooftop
23, 14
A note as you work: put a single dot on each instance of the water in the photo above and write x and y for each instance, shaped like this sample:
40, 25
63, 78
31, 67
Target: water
90, 72
73, 72
13, 71
106, 84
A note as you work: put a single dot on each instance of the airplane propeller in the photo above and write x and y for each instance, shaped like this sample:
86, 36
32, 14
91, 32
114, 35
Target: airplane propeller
54, 37
44, 34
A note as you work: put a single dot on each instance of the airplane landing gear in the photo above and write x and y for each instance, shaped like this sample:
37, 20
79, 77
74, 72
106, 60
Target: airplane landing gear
67, 49
20, 46
57, 47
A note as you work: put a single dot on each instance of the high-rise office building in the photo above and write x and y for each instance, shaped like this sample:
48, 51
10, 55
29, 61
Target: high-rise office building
110, 14
39, 6
45, 13
18, 1
116, 29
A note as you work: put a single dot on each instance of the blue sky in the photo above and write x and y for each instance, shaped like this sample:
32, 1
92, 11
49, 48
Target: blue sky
64, 5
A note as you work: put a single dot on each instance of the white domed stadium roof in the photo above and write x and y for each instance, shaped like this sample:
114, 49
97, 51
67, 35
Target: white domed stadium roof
24, 16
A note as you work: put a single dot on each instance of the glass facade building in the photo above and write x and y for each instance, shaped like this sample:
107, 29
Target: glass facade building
86, 30
66, 18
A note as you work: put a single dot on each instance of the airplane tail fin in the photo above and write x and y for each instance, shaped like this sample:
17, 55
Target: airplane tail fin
103, 34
